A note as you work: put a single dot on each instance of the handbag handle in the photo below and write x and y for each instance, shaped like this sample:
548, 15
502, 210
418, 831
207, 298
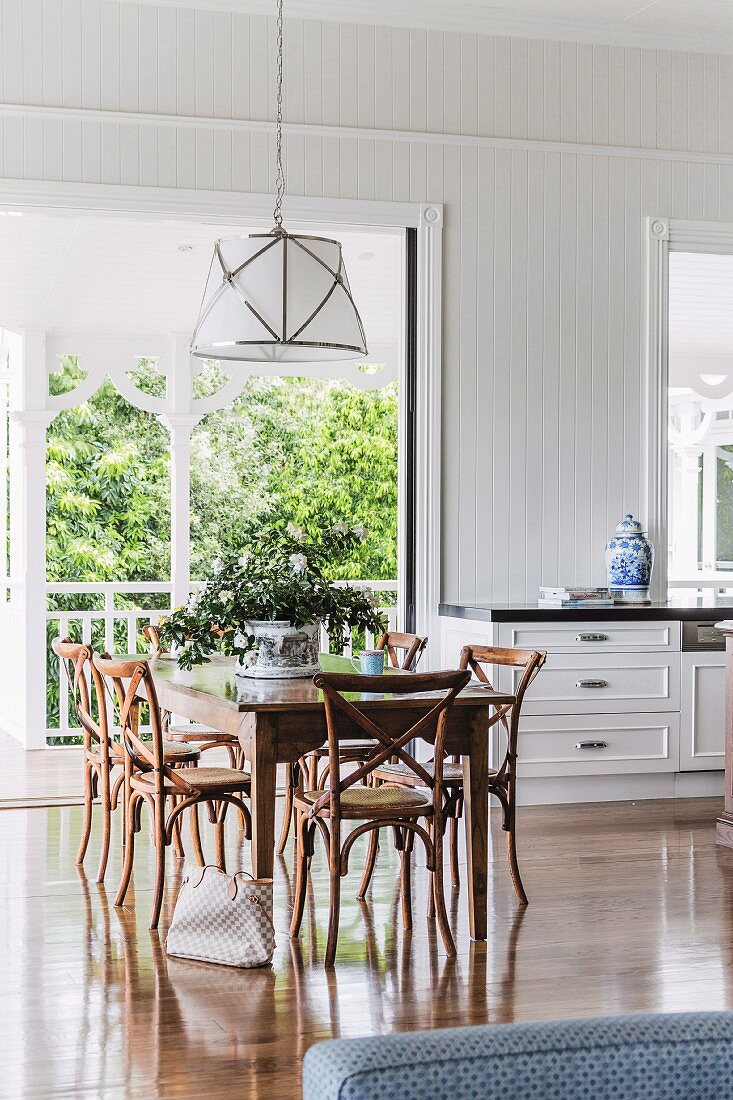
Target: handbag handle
233, 888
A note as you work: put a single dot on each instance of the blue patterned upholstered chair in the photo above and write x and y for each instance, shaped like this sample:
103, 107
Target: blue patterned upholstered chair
685, 1056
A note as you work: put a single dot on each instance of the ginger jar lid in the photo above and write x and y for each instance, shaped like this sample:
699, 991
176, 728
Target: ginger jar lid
628, 528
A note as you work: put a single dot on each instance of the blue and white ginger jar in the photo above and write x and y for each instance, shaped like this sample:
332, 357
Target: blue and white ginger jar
629, 562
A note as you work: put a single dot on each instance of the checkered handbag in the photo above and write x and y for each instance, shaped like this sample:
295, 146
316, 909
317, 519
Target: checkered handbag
222, 918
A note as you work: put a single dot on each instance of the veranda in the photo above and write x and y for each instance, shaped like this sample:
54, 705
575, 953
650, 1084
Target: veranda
27, 358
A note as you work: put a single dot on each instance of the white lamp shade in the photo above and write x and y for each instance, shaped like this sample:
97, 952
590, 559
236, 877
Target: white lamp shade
278, 297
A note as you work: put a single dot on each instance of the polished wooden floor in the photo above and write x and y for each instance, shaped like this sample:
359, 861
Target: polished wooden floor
631, 910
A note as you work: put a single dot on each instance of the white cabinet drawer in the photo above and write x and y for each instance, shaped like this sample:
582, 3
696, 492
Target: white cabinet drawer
702, 727
615, 744
610, 682
598, 637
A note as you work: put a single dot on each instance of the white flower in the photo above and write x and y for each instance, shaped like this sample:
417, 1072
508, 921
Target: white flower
244, 560
341, 528
295, 532
360, 531
227, 595
217, 565
193, 601
298, 563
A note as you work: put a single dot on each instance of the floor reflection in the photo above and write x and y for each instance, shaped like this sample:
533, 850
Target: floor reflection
621, 919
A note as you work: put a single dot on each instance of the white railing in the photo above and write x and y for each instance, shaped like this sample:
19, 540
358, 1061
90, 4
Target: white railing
106, 620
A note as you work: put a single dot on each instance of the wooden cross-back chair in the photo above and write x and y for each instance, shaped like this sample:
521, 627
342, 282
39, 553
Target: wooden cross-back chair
403, 651
345, 798
160, 784
204, 737
102, 751
502, 780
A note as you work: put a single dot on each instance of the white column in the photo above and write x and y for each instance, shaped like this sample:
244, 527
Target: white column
686, 508
709, 507
180, 428
26, 673
180, 421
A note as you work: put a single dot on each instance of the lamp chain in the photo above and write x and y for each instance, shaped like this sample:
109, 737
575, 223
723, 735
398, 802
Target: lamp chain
280, 171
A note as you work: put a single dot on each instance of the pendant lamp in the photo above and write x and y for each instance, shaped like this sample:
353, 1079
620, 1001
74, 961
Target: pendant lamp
278, 297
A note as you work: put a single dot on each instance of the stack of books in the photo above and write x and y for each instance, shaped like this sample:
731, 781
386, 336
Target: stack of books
574, 597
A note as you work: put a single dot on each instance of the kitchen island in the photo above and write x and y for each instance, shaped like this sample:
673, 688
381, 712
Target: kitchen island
629, 705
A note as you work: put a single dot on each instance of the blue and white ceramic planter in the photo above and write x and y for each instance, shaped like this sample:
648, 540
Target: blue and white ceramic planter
629, 562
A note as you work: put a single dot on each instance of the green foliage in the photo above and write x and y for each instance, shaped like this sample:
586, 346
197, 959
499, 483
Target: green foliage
281, 575
107, 488
303, 451
310, 451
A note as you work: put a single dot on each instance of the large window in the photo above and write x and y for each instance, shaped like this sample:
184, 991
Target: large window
700, 475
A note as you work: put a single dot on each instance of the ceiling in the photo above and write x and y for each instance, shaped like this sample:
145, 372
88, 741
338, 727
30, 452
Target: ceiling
701, 322
697, 25
113, 275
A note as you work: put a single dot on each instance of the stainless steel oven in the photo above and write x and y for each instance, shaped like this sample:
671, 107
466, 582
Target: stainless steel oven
701, 635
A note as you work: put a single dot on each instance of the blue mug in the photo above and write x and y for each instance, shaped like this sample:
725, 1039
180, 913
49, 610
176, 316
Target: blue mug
371, 662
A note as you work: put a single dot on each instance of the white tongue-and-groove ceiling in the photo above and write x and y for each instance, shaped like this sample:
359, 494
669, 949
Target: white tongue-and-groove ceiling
690, 25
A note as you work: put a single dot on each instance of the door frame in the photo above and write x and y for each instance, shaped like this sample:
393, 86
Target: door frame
256, 209
664, 235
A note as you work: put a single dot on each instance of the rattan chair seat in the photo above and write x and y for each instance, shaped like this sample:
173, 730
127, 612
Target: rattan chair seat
349, 750
193, 732
401, 773
210, 779
368, 802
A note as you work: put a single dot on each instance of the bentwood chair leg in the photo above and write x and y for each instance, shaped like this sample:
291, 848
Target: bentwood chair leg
438, 893
221, 810
196, 835
371, 860
301, 873
288, 811
177, 837
431, 894
159, 836
511, 844
129, 851
106, 825
455, 874
334, 909
87, 826
405, 884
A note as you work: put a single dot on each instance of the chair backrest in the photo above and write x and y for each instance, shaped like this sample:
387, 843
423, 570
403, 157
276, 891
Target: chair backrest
152, 633
404, 650
343, 714
474, 657
134, 687
77, 660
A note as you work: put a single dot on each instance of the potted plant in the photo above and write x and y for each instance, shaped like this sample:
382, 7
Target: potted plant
267, 605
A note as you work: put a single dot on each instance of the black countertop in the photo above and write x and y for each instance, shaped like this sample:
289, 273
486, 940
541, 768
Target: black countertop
707, 608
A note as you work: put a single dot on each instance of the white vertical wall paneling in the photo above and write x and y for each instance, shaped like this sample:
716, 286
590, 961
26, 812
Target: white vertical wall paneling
518, 366
536, 487
549, 368
583, 504
469, 483
542, 253
485, 369
599, 355
501, 471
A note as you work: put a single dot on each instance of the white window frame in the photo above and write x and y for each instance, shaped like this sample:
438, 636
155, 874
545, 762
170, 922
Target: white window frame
665, 235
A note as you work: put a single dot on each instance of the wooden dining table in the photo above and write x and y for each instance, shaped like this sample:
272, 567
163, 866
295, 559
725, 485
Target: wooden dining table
277, 721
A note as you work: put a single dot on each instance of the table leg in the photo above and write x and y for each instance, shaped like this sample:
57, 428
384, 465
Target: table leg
476, 813
261, 752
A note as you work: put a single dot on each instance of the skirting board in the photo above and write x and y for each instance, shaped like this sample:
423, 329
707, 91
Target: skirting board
558, 790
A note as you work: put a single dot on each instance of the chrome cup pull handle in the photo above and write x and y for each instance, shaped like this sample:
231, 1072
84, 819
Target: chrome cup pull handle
591, 638
592, 684
591, 744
